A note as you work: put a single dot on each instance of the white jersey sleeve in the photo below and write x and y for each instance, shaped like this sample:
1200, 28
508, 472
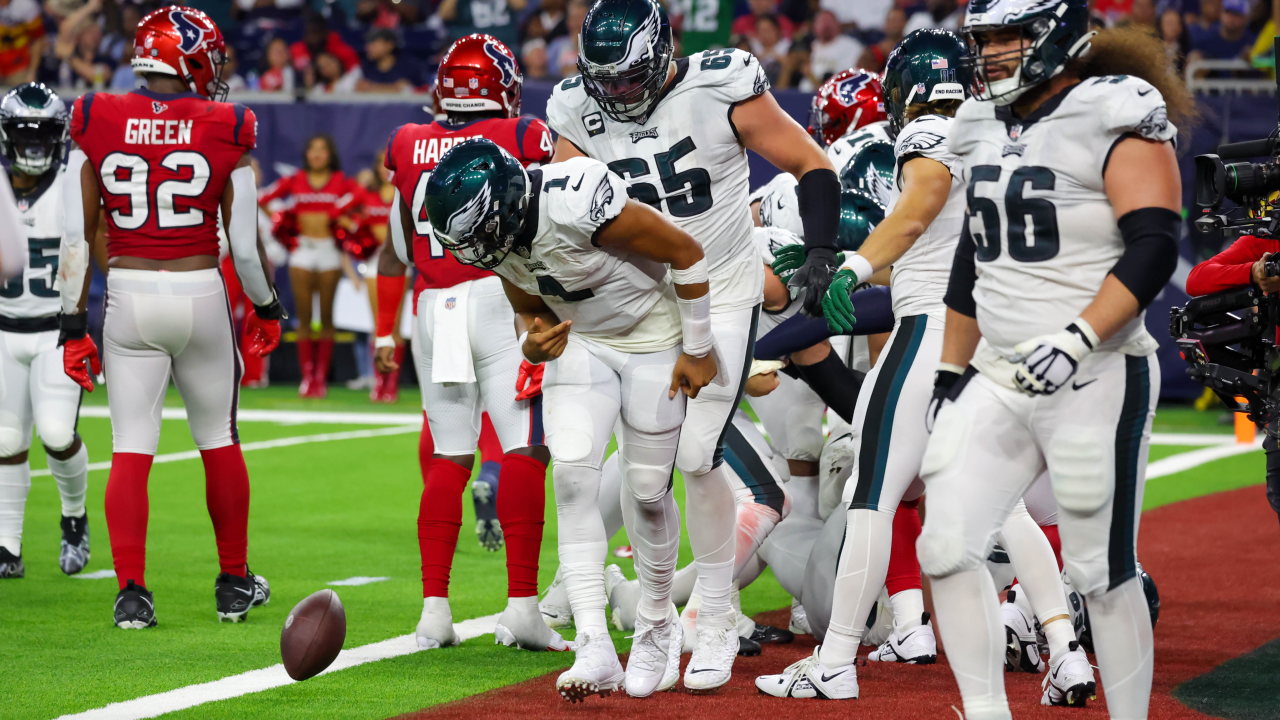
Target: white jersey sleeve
926, 136
1134, 106
593, 196
780, 204
568, 115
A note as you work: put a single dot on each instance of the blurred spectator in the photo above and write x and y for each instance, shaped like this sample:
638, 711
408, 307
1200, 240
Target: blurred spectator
82, 65
318, 38
769, 46
495, 17
1226, 39
1208, 16
371, 14
873, 57
748, 24
1142, 14
546, 23
248, 11
330, 76
384, 69
22, 40
231, 72
533, 60
947, 14
860, 14
831, 51
1112, 10
277, 74
1175, 39
118, 43
562, 54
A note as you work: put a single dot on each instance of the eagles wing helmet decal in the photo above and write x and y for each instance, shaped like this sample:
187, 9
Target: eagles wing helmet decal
601, 199
467, 218
191, 34
1154, 124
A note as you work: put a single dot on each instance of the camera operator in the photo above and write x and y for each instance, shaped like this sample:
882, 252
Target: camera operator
1244, 263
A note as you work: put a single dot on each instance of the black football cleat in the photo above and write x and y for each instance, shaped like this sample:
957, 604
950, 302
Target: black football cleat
767, 634
75, 544
484, 497
748, 647
236, 595
11, 566
135, 608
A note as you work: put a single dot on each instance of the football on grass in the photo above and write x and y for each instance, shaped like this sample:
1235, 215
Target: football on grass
313, 635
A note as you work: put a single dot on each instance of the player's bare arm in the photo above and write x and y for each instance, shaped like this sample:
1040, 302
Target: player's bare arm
926, 184
566, 150
390, 265
545, 337
644, 231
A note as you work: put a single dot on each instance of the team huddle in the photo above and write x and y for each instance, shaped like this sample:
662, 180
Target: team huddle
939, 296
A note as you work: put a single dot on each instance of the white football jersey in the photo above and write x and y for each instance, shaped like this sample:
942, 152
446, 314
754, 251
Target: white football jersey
841, 151
768, 240
31, 294
920, 276
685, 160
615, 298
1044, 232
780, 204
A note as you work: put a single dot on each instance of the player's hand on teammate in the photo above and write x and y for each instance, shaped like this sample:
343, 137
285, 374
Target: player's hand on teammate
261, 335
837, 307
1050, 361
790, 258
814, 277
691, 374
1259, 275
542, 345
79, 359
529, 380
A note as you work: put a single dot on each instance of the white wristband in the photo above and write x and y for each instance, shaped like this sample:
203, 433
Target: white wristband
692, 275
384, 341
859, 265
695, 321
1087, 330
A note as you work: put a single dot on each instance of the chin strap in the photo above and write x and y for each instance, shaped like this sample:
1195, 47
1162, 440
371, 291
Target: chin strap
186, 75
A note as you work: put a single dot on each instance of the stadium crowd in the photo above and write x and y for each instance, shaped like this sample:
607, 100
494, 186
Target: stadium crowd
393, 46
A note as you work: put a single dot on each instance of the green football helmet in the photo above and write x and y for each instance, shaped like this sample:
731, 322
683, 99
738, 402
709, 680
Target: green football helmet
859, 215
34, 125
928, 65
1052, 34
624, 54
870, 170
476, 200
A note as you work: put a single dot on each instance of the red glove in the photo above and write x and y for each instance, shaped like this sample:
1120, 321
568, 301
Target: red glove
529, 380
261, 336
74, 354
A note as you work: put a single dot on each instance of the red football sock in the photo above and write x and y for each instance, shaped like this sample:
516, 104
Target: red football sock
522, 499
1051, 532
426, 447
904, 566
439, 519
490, 448
126, 508
226, 492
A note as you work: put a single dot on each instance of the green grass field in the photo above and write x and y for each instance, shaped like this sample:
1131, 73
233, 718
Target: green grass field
321, 512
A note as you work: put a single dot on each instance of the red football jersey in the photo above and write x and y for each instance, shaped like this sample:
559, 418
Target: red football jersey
162, 161
338, 196
412, 153
376, 210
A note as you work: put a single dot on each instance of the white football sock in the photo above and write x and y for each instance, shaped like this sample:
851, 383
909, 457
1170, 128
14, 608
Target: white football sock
654, 529
908, 609
72, 476
973, 633
1121, 624
864, 563
711, 520
611, 495
1039, 581
15, 484
582, 565
682, 586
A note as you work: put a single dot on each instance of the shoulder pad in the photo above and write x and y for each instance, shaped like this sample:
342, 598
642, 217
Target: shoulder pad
1124, 104
731, 75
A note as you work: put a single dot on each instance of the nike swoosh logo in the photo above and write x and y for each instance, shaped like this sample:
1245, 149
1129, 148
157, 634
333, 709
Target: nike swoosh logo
779, 203
575, 187
829, 678
703, 670
1144, 94
245, 591
1078, 386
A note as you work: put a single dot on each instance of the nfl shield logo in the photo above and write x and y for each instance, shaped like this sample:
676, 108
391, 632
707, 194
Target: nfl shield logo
1014, 132
23, 205
449, 303
473, 83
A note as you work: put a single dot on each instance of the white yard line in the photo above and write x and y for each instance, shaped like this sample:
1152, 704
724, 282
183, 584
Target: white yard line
258, 680
267, 445
288, 417
357, 580
1195, 458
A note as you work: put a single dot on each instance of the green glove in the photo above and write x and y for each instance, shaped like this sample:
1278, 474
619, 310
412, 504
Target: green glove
837, 308
789, 258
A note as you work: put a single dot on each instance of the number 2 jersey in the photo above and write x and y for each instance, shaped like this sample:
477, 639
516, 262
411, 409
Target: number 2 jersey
31, 296
413, 152
1044, 233
685, 161
615, 298
163, 161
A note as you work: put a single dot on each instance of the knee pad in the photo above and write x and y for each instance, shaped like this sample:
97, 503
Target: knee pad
647, 483
569, 433
575, 485
1081, 473
1087, 577
944, 549
55, 435
695, 455
13, 441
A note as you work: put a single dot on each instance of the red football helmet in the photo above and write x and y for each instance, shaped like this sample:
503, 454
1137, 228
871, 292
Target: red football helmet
477, 74
850, 99
183, 42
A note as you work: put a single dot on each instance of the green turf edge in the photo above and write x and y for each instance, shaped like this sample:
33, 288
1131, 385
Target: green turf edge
1242, 688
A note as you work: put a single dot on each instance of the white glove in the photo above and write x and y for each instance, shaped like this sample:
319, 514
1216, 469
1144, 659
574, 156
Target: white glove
1050, 361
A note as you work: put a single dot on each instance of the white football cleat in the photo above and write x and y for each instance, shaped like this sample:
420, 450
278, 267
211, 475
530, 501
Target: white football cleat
555, 605
624, 598
809, 678
799, 619
880, 625
1070, 680
522, 626
595, 671
917, 646
714, 651
654, 663
1022, 650
435, 627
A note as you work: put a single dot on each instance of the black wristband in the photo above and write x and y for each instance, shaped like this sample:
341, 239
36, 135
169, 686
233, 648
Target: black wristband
1150, 251
271, 311
72, 327
819, 195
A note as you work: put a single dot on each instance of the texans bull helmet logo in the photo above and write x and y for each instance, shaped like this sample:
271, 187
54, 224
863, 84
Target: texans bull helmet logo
847, 90
191, 34
505, 63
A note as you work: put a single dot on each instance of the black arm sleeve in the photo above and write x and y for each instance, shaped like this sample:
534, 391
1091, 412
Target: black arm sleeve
959, 295
819, 192
836, 383
1150, 251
